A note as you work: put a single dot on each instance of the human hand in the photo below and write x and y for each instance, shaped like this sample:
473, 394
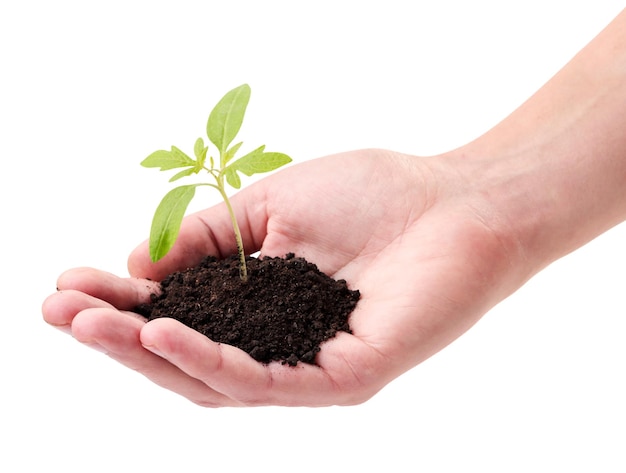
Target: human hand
410, 233
431, 243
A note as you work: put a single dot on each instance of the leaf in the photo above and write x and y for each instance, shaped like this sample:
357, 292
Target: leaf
199, 149
168, 159
232, 178
183, 173
230, 154
182, 157
227, 116
258, 161
167, 219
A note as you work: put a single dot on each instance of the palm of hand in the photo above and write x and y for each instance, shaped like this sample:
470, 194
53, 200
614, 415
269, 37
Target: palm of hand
391, 225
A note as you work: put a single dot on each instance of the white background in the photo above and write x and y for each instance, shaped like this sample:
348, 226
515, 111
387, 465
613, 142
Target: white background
88, 89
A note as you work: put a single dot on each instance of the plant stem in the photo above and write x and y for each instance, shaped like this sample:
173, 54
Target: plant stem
243, 269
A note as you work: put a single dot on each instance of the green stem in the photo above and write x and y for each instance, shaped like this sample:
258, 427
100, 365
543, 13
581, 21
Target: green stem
243, 269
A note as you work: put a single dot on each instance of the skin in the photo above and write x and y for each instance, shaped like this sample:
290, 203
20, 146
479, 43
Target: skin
432, 243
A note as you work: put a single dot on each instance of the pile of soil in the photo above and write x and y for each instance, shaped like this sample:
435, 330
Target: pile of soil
283, 312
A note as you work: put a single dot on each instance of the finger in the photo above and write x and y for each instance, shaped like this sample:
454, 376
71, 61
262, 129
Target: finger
60, 308
238, 376
117, 335
123, 293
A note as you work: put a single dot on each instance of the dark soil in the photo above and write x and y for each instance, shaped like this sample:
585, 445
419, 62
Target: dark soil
284, 311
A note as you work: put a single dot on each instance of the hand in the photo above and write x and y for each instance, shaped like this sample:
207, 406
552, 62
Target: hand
408, 232
431, 243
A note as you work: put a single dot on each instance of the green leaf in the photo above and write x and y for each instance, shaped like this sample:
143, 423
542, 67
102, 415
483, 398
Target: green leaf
232, 178
168, 159
199, 149
258, 161
227, 116
182, 157
183, 173
230, 154
167, 219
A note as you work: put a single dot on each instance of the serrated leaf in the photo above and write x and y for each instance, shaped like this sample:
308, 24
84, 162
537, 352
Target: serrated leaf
227, 116
259, 161
183, 173
182, 157
167, 219
232, 178
168, 159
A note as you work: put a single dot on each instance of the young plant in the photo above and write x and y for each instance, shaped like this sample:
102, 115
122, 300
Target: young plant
222, 127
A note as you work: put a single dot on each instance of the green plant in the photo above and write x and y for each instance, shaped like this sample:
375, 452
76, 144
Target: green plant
222, 127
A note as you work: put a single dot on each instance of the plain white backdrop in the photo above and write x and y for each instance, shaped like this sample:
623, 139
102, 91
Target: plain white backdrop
88, 89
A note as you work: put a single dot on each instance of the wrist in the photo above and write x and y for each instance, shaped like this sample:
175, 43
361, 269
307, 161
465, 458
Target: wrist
549, 195
552, 175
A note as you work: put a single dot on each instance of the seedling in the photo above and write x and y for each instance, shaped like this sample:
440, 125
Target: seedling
222, 127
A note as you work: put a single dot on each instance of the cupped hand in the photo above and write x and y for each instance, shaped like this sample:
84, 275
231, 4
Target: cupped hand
414, 235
